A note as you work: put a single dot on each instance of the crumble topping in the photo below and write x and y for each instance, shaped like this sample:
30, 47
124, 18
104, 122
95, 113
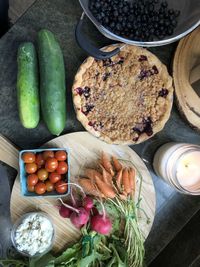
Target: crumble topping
125, 96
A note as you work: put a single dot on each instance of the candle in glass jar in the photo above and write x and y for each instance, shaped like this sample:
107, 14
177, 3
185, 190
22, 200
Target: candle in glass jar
188, 170
179, 165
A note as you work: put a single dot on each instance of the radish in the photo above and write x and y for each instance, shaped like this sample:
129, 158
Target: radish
101, 224
88, 203
64, 211
95, 211
81, 218
75, 200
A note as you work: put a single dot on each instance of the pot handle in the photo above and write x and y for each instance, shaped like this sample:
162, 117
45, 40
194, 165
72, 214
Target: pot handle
83, 42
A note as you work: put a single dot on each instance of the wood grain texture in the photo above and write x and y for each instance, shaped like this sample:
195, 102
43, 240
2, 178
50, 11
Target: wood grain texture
8, 153
18, 7
84, 152
186, 70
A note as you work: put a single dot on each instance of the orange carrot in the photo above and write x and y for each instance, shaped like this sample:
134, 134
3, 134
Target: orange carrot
116, 164
119, 179
105, 161
107, 178
123, 196
105, 189
89, 187
125, 181
91, 173
132, 180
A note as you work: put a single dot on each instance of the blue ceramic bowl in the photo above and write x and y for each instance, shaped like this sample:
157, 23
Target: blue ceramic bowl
23, 174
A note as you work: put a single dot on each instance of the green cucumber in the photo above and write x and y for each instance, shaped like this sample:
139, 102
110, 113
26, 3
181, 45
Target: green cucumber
52, 82
27, 86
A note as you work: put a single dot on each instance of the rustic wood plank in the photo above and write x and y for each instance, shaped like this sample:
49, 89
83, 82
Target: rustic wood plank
84, 152
18, 7
8, 153
185, 72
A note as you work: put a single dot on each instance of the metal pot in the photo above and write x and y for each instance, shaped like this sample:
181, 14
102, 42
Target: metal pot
189, 19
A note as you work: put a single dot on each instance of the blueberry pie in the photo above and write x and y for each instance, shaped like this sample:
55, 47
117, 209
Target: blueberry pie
123, 100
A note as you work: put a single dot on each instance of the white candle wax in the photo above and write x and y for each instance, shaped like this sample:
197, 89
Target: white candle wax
162, 156
188, 170
179, 165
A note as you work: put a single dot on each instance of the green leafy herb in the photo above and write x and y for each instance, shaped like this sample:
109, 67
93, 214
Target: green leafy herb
47, 260
120, 263
15, 263
68, 254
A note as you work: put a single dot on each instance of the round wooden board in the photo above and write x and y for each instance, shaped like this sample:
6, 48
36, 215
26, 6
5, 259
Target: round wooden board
84, 152
186, 71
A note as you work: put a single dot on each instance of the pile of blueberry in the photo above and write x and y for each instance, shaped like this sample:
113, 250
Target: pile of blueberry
138, 20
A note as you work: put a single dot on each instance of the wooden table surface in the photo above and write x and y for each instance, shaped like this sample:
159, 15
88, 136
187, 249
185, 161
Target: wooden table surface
60, 16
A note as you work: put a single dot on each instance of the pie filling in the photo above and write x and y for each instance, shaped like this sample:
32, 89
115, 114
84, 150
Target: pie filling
124, 97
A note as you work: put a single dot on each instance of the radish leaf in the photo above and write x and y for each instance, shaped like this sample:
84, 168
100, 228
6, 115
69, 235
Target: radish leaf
68, 254
12, 262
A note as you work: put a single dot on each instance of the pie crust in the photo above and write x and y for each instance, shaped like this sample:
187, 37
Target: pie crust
123, 100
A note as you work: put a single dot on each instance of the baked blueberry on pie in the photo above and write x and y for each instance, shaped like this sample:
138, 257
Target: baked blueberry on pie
123, 100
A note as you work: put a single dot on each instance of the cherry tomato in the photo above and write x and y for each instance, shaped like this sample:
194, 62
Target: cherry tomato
51, 164
32, 179
54, 177
47, 154
40, 188
42, 174
62, 167
31, 188
39, 159
61, 155
31, 167
49, 170
61, 187
49, 186
28, 157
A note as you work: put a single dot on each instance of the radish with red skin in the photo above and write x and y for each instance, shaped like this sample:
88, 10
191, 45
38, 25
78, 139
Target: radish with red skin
64, 211
75, 200
88, 203
79, 216
68, 206
101, 224
95, 211
79, 219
